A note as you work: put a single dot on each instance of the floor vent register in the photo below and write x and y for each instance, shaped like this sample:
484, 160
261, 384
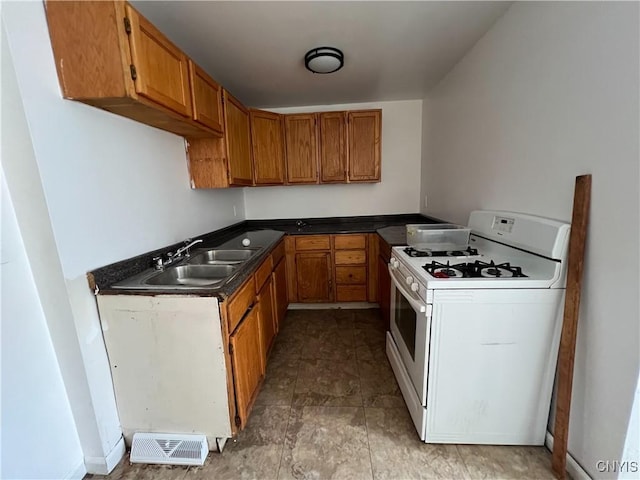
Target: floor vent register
170, 449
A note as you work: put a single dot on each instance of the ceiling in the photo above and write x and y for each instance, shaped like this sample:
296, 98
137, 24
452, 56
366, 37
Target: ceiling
393, 50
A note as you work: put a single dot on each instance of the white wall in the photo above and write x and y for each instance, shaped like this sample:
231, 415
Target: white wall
549, 93
39, 437
397, 193
114, 188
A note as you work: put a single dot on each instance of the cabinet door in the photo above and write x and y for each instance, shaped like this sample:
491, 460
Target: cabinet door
384, 290
162, 70
206, 98
267, 325
301, 147
364, 145
313, 271
333, 147
280, 296
267, 141
247, 362
238, 141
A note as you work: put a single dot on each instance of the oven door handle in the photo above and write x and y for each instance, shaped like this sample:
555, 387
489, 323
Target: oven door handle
415, 304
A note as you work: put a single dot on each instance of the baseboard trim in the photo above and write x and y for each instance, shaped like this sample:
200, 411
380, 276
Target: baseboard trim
573, 467
77, 473
104, 465
331, 306
116, 454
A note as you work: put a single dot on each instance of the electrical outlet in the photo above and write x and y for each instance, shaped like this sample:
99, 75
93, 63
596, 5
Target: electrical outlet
425, 201
235, 214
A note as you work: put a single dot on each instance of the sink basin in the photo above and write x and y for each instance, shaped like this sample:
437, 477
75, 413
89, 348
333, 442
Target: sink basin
192, 275
222, 256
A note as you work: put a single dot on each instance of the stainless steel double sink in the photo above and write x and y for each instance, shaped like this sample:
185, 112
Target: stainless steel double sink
205, 268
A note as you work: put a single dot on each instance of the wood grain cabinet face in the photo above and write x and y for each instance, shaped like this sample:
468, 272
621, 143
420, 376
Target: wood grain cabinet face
267, 142
351, 269
247, 363
313, 277
206, 97
162, 70
364, 145
301, 148
384, 290
281, 301
267, 324
238, 141
109, 56
333, 147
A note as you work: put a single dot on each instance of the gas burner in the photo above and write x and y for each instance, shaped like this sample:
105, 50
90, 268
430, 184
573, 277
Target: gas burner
476, 269
502, 270
446, 270
469, 252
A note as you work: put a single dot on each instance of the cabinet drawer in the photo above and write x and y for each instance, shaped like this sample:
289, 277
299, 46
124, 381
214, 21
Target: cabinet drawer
278, 253
351, 257
313, 242
240, 302
351, 275
263, 272
349, 242
351, 293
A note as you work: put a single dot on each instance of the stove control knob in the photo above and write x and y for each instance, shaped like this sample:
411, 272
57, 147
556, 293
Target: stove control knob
415, 287
409, 280
392, 264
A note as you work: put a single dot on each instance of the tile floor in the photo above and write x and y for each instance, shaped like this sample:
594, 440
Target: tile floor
330, 408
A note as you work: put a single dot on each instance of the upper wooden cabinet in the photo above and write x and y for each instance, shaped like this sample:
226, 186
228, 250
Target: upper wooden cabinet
109, 56
333, 147
206, 96
238, 141
301, 147
267, 141
160, 70
223, 162
364, 145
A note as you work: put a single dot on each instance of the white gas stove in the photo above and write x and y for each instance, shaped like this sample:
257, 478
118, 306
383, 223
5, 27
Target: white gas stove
474, 333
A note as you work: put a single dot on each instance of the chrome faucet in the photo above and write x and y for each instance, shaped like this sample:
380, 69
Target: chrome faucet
159, 263
187, 245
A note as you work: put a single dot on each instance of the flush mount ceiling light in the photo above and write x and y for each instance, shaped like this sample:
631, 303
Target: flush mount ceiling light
324, 60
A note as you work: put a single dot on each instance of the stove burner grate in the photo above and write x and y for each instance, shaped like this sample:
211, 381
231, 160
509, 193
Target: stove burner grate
477, 269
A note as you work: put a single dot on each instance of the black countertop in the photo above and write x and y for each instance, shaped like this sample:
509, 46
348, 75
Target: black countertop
390, 227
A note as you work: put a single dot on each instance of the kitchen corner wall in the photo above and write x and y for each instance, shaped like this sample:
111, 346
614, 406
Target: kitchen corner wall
110, 188
549, 93
397, 193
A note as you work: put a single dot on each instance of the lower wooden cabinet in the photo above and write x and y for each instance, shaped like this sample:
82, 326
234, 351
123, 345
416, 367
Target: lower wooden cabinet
328, 268
251, 318
350, 260
384, 281
313, 277
246, 355
280, 299
384, 290
267, 321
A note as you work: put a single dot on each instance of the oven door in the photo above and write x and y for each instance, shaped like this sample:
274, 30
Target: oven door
409, 326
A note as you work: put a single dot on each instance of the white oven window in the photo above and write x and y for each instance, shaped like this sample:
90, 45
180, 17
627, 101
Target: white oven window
405, 319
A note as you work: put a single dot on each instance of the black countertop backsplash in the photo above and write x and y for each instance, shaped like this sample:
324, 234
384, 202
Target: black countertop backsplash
390, 227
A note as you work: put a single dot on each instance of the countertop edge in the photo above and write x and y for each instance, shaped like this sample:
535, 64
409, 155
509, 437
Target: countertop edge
389, 227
